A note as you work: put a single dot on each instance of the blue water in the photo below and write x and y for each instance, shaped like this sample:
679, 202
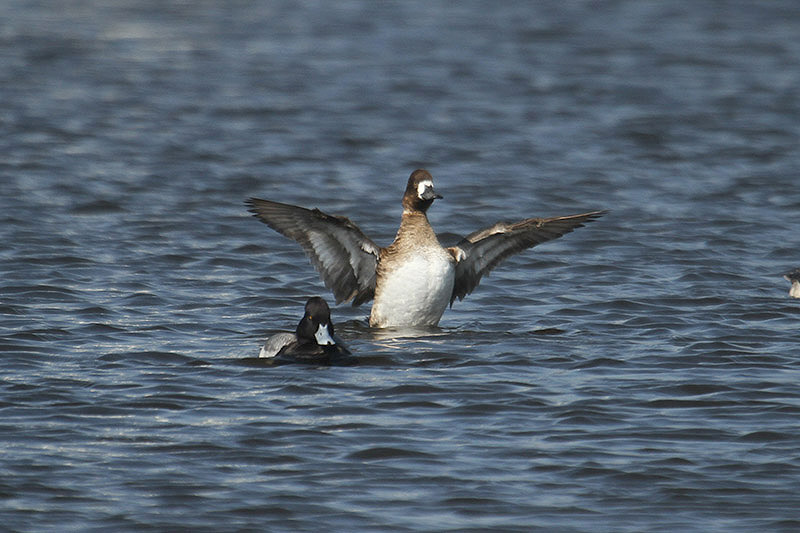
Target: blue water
640, 374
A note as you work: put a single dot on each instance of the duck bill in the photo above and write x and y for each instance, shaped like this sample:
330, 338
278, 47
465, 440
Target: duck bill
430, 194
323, 336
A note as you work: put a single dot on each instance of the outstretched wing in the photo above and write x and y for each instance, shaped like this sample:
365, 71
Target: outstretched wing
341, 253
479, 252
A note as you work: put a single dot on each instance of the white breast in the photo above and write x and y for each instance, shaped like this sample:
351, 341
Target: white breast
415, 291
794, 292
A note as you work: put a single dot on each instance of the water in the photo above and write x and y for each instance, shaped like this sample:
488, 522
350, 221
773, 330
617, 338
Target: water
640, 374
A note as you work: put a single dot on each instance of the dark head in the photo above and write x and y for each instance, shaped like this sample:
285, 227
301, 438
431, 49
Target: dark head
419, 193
316, 326
792, 275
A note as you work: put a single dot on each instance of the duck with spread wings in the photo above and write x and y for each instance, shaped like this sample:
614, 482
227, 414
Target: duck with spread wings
414, 279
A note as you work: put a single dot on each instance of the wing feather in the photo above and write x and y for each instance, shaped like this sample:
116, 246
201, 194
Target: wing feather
481, 251
344, 257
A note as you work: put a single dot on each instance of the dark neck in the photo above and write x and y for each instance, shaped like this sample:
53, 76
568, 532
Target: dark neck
414, 226
414, 203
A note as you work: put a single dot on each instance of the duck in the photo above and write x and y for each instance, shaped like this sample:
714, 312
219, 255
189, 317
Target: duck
414, 279
313, 341
793, 276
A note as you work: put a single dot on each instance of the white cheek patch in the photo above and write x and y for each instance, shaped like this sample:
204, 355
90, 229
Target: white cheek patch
422, 185
323, 337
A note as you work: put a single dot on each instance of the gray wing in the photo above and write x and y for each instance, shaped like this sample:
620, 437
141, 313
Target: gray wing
344, 257
479, 252
273, 345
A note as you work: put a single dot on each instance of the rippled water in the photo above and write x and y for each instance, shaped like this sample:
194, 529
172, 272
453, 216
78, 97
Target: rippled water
640, 374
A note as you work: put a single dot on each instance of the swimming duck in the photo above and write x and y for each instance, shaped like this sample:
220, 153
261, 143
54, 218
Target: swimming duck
415, 278
794, 277
312, 342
